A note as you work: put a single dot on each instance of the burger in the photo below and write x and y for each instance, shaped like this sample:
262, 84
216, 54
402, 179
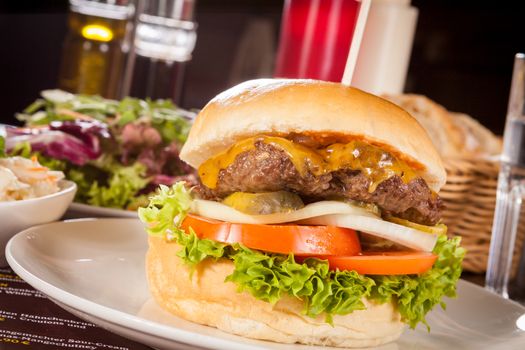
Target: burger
315, 218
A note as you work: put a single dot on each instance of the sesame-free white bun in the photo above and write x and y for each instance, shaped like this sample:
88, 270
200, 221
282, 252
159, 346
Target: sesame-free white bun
319, 108
205, 298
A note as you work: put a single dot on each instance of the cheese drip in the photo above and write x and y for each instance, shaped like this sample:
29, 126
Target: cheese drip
375, 163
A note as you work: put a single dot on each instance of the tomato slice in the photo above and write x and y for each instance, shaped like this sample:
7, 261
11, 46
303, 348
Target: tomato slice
284, 239
384, 263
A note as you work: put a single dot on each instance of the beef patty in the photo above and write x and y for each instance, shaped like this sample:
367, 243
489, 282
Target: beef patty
267, 168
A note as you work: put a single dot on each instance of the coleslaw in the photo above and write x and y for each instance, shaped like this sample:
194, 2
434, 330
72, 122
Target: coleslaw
22, 178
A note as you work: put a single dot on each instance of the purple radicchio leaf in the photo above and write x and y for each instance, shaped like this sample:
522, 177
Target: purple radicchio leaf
76, 141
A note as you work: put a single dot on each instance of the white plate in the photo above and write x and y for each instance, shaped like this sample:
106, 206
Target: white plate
79, 210
94, 268
16, 216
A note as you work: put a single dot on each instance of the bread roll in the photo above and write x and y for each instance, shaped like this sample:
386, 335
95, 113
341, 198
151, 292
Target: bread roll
455, 135
206, 299
478, 139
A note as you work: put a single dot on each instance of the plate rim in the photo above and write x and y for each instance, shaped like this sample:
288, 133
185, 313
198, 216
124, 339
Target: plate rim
115, 212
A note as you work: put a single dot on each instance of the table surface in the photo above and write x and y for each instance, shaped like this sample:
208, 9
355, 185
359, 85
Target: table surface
29, 320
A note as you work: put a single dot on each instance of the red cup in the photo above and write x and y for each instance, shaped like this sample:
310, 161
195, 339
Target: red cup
315, 38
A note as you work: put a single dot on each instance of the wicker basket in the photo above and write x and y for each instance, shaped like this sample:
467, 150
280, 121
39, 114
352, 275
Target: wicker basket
470, 199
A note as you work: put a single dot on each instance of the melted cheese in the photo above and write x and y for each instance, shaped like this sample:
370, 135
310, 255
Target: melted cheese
372, 161
209, 170
375, 163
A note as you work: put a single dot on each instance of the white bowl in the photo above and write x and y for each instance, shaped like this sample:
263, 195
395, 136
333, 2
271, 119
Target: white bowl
16, 216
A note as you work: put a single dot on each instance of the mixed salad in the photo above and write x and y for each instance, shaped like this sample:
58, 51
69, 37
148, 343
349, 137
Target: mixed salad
117, 152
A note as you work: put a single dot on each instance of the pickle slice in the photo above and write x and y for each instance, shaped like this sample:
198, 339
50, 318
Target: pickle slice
264, 203
439, 229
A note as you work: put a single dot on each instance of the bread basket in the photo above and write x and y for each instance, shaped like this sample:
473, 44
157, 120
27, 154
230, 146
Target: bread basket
470, 199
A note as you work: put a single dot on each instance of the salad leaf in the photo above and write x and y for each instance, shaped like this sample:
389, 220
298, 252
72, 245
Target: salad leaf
22, 149
116, 151
123, 184
84, 182
270, 276
75, 141
172, 122
2, 147
35, 106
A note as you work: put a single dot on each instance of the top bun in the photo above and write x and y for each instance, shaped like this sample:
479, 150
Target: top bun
286, 106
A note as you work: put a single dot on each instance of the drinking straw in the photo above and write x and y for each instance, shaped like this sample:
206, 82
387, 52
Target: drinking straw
356, 42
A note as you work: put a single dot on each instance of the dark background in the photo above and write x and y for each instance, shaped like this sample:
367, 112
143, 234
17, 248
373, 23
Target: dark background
462, 56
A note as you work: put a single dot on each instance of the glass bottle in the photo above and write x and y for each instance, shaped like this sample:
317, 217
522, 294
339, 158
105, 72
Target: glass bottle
94, 51
165, 37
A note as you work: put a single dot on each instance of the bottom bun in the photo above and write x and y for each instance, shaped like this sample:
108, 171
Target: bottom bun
206, 299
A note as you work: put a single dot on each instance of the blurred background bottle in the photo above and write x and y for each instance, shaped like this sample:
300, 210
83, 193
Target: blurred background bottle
95, 48
384, 55
315, 38
164, 39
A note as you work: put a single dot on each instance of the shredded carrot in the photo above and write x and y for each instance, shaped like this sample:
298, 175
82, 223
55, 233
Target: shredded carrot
51, 179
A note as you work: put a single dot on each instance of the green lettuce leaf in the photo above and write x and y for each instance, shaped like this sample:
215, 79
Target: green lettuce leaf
83, 181
2, 147
22, 149
166, 210
269, 276
123, 183
417, 295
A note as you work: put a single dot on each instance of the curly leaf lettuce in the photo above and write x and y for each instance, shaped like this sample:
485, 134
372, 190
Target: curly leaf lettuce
269, 276
163, 216
123, 184
2, 147
416, 295
166, 210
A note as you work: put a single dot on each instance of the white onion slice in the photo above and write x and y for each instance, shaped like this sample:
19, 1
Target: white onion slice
403, 235
220, 211
331, 213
